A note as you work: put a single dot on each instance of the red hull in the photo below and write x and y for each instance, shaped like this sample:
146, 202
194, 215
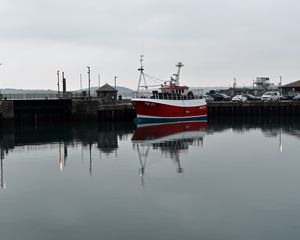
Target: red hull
153, 109
161, 130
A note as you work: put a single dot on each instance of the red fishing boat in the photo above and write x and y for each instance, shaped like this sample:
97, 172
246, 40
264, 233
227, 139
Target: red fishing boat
170, 102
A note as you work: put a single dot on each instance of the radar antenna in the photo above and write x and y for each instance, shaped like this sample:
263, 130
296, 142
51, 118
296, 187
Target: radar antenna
179, 65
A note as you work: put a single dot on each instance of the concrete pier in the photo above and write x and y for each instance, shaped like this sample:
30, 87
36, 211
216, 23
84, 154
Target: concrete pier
50, 110
35, 110
94, 110
259, 108
121, 111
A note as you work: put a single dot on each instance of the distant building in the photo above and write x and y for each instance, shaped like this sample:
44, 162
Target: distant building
262, 84
290, 88
107, 94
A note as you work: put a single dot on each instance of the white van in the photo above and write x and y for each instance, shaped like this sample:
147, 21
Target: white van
271, 96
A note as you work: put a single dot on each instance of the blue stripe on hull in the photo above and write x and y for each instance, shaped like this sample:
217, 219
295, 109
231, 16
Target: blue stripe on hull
163, 120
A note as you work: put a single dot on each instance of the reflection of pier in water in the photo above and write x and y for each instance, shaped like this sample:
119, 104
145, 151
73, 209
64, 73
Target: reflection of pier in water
171, 141
272, 126
170, 138
103, 138
2, 183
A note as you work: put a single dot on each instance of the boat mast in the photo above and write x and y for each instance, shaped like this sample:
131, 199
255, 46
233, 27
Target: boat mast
179, 65
142, 76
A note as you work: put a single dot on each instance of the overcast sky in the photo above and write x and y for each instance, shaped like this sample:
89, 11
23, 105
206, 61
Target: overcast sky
216, 39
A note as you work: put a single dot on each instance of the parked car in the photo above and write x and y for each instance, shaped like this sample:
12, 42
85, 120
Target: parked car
221, 97
251, 97
297, 97
286, 97
239, 98
289, 96
208, 98
271, 96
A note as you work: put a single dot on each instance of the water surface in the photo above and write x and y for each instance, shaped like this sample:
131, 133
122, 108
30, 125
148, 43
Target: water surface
222, 180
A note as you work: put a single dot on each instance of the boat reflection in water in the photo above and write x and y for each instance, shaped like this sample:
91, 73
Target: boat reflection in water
171, 138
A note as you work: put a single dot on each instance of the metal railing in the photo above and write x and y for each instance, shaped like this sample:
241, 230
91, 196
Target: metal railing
34, 96
171, 96
193, 94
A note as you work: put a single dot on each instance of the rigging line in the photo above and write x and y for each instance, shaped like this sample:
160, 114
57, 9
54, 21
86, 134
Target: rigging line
156, 85
154, 78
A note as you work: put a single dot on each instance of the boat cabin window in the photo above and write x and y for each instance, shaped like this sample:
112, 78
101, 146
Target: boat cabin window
182, 91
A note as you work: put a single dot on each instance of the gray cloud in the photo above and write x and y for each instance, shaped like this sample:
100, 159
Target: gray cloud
216, 39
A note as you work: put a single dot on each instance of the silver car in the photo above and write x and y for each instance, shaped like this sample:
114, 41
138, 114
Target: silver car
271, 96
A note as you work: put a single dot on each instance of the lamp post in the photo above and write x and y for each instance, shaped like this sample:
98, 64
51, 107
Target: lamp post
0, 92
58, 82
89, 80
280, 81
80, 82
280, 84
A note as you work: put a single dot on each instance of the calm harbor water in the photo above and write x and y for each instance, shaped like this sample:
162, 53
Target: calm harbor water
221, 180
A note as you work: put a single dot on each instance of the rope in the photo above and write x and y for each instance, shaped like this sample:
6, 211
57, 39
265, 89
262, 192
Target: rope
154, 78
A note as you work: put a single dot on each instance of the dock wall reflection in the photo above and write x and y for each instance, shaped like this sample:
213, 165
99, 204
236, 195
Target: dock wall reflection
170, 140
